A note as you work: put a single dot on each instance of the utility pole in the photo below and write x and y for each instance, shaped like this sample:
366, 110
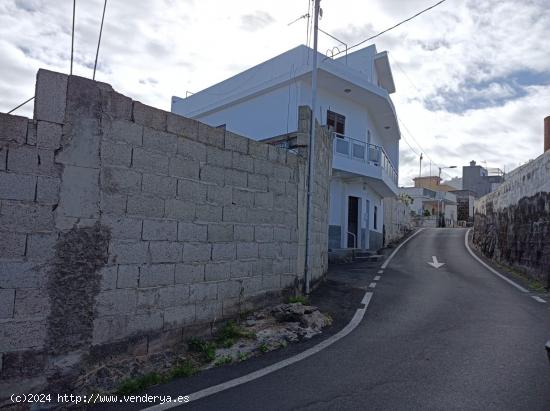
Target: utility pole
420, 173
311, 152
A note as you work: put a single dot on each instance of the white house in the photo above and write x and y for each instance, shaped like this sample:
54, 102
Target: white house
353, 100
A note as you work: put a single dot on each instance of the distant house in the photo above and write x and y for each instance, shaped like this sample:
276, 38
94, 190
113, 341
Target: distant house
481, 180
353, 102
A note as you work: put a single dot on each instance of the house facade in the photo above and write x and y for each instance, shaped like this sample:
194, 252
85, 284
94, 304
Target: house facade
353, 101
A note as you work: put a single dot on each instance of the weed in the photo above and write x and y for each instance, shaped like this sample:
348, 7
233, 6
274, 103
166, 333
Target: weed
263, 347
184, 368
283, 344
230, 332
133, 385
298, 299
243, 356
223, 360
329, 319
207, 349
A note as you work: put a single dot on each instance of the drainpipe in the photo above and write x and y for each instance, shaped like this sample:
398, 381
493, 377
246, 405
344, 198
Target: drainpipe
311, 152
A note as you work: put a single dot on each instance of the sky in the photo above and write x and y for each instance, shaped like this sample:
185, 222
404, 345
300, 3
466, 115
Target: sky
472, 76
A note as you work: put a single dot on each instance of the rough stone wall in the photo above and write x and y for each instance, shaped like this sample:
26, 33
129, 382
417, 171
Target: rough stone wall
122, 227
512, 224
397, 219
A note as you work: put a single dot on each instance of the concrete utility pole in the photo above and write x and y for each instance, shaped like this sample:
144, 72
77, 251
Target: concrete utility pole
311, 152
420, 173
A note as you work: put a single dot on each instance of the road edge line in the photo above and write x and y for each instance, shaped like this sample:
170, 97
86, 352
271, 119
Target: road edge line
354, 322
491, 269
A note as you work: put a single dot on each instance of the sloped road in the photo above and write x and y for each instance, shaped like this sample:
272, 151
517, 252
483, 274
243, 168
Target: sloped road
450, 338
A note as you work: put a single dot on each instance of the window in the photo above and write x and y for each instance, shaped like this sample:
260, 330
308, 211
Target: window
375, 219
336, 122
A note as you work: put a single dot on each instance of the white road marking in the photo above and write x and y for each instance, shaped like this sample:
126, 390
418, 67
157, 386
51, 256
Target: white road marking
495, 272
358, 316
372, 285
380, 272
537, 298
398, 248
434, 263
377, 278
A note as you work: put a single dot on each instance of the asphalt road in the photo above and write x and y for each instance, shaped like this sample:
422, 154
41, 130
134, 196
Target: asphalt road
452, 338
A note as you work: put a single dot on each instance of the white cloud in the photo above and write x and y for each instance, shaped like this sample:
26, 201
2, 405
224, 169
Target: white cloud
456, 67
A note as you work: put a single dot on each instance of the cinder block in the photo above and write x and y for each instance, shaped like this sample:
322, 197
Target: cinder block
176, 317
19, 335
179, 210
128, 276
32, 160
162, 186
212, 174
192, 190
235, 142
271, 282
79, 193
165, 251
243, 162
189, 273
264, 167
211, 136
174, 296
31, 132
125, 131
48, 135
116, 105
220, 232
109, 328
115, 154
120, 181
122, 227
7, 301
223, 251
231, 307
128, 252
263, 234
230, 289
47, 190
192, 232
26, 217
197, 252
276, 186
262, 215
17, 186
83, 137
160, 230
208, 311
257, 149
217, 271
182, 126
156, 140
270, 250
235, 214
281, 234
236, 178
148, 299
252, 285
108, 277
218, 157
112, 203
203, 291
149, 116
247, 250
3, 157
153, 275
116, 302
257, 182
21, 275
50, 96
12, 245
263, 200
248, 268
184, 167
219, 195
41, 246
209, 213
145, 322
191, 149
280, 266
292, 160
243, 197
145, 205
243, 232
150, 161
288, 280
13, 128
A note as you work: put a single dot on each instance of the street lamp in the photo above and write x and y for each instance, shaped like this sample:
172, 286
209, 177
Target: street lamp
443, 168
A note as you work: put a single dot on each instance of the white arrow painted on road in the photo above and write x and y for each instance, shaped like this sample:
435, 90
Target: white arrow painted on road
435, 263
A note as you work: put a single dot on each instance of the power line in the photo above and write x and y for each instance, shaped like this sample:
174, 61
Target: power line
99, 40
394, 26
20, 105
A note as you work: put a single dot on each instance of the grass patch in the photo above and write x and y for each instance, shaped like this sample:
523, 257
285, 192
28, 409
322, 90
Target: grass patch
230, 332
227, 359
243, 356
133, 385
207, 349
184, 368
263, 348
298, 299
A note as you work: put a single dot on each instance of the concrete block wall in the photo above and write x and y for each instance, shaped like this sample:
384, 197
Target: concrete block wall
124, 226
512, 223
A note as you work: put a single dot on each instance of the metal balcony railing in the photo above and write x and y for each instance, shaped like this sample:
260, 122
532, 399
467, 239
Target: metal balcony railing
368, 153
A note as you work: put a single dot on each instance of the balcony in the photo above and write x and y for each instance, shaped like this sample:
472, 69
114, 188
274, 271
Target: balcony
355, 158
